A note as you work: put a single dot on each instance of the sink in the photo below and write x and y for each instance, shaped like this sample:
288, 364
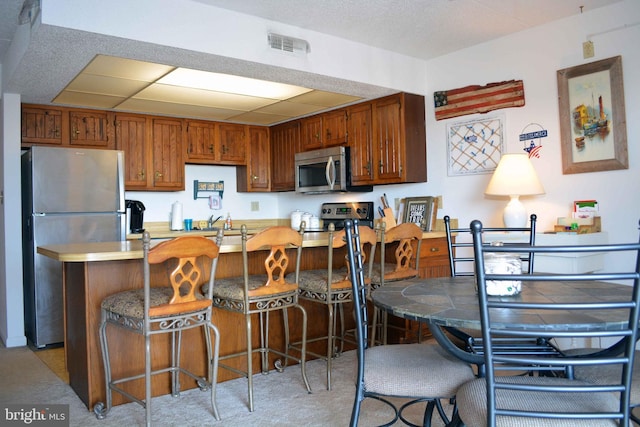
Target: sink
206, 229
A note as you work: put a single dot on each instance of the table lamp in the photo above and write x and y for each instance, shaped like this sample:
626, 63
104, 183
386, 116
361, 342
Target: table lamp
514, 177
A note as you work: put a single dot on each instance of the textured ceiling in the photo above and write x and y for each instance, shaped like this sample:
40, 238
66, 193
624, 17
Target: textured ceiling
418, 28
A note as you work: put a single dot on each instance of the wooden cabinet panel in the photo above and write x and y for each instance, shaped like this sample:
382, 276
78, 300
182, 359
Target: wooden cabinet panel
334, 124
41, 126
399, 139
201, 144
233, 143
255, 176
388, 135
311, 133
359, 136
131, 137
90, 129
168, 163
285, 143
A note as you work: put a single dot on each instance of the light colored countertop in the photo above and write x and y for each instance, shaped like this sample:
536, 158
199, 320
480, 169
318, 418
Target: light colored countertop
132, 249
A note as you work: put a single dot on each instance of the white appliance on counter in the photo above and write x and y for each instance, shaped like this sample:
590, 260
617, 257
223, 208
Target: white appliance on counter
69, 195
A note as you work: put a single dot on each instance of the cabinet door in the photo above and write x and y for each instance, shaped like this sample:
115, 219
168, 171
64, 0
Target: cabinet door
311, 133
89, 129
168, 163
335, 128
201, 142
387, 140
131, 137
41, 126
256, 173
359, 136
285, 143
233, 143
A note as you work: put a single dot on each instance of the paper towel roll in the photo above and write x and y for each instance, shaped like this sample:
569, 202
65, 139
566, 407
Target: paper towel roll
176, 216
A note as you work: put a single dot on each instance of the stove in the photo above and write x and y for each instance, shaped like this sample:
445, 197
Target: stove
337, 213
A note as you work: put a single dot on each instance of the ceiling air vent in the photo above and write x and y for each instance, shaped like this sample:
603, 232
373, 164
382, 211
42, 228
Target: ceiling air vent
288, 44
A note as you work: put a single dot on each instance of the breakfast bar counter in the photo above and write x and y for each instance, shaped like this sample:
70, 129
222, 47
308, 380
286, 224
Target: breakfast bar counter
92, 271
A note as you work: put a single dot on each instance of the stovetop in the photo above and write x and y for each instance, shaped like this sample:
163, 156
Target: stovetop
337, 213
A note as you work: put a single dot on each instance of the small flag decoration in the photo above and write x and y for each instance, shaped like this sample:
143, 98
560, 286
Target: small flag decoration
478, 99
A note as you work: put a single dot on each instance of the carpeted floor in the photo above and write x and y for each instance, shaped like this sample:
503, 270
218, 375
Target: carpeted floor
280, 398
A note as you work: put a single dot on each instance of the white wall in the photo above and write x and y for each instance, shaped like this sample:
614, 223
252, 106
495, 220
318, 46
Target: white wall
534, 56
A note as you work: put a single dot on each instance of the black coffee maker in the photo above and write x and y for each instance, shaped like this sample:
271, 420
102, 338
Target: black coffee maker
135, 211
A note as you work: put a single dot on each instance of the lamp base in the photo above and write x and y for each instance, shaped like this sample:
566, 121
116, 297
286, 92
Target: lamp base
515, 214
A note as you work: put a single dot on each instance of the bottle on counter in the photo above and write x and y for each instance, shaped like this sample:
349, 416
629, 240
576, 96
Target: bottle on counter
228, 224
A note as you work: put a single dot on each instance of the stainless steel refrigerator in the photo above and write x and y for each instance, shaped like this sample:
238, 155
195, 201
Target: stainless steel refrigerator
69, 195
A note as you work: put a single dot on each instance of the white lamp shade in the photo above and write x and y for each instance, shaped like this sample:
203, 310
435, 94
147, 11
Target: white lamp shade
514, 177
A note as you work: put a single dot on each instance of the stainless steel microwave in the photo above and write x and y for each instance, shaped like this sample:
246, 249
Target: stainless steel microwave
326, 170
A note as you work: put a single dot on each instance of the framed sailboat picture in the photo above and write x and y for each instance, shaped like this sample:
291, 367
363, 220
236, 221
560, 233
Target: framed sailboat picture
592, 117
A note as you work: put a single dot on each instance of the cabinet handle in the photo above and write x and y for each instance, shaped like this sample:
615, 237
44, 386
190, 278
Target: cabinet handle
211, 148
254, 177
158, 174
141, 174
435, 249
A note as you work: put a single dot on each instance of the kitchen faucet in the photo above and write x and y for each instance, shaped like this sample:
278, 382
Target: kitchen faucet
213, 221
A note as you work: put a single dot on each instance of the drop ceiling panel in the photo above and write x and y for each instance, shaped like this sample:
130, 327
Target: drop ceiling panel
92, 83
257, 118
290, 109
178, 110
88, 100
205, 98
103, 65
324, 99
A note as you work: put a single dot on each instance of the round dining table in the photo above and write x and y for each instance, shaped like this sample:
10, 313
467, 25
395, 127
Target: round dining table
451, 303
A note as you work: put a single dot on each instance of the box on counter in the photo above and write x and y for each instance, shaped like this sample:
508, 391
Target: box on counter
582, 225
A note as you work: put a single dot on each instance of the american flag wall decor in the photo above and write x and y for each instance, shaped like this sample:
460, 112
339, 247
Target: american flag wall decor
478, 99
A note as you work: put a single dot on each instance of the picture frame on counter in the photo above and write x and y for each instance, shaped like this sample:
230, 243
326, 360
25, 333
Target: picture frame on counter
592, 117
420, 211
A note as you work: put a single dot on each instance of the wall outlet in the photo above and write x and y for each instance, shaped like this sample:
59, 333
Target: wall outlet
587, 49
440, 202
255, 206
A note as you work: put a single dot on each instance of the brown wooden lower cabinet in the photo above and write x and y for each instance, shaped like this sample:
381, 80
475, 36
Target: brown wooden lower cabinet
434, 262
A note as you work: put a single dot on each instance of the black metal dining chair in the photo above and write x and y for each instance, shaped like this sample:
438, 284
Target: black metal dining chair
460, 249
515, 400
461, 259
417, 372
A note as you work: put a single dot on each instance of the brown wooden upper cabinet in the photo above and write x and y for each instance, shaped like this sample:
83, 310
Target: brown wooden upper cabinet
233, 143
255, 175
215, 143
131, 137
153, 148
91, 129
399, 139
201, 142
41, 125
285, 143
323, 130
45, 125
360, 132
334, 124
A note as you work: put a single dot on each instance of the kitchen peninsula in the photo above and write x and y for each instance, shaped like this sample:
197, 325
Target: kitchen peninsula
92, 271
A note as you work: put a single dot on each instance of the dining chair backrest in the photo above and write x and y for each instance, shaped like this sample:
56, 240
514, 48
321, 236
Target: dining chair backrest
355, 258
460, 245
497, 314
405, 263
